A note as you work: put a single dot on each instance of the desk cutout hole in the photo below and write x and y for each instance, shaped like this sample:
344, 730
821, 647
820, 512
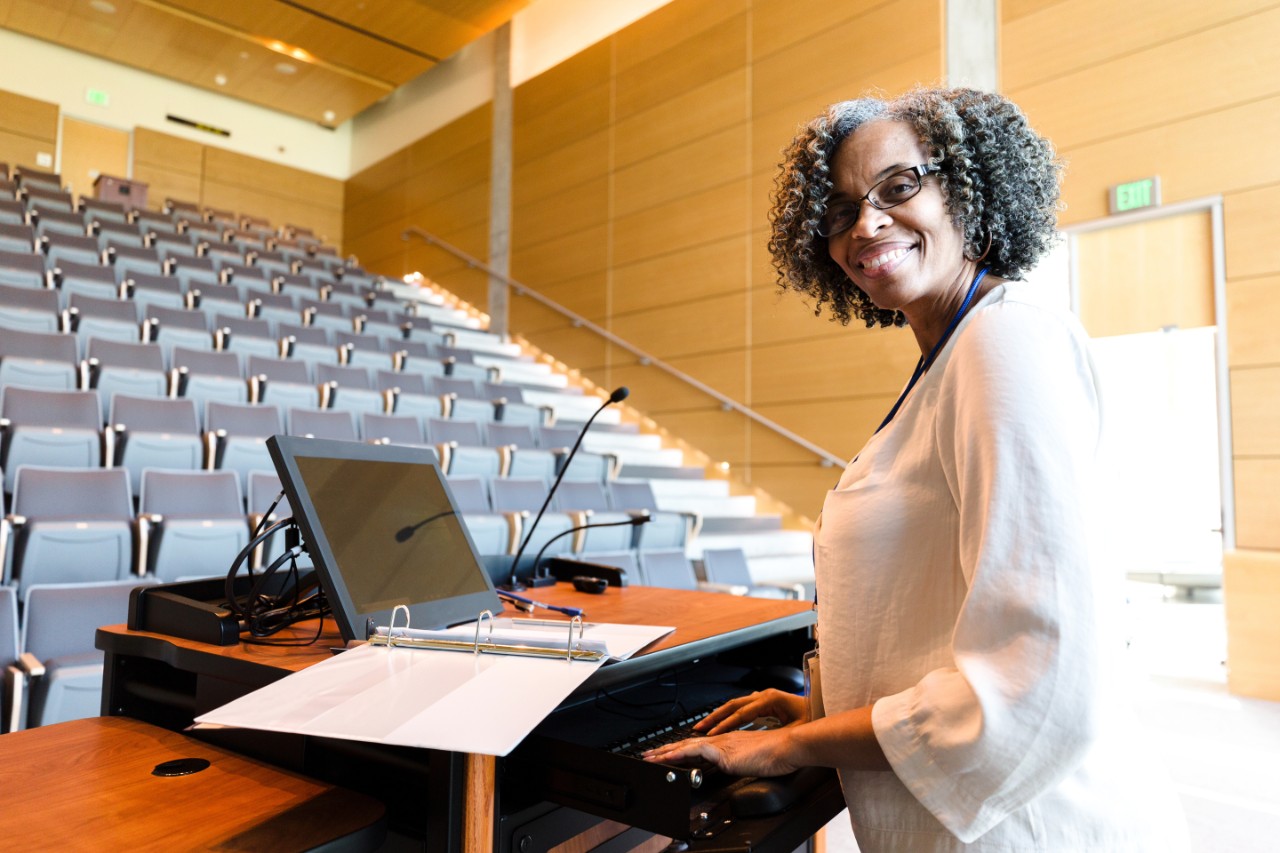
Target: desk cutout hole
180, 767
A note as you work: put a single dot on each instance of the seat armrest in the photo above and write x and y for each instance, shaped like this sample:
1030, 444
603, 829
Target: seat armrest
730, 588
31, 665
14, 707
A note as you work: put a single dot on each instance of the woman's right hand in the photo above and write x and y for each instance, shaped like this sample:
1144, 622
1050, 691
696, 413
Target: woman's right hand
736, 713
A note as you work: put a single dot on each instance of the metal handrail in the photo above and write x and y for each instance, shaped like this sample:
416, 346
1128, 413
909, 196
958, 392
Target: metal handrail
645, 359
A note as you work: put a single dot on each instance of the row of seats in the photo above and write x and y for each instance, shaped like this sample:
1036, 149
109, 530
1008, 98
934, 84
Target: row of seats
64, 428
80, 525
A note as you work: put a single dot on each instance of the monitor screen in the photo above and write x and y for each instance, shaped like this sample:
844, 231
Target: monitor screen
382, 529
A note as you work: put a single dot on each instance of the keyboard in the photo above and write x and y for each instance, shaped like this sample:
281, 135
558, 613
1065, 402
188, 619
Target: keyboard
678, 729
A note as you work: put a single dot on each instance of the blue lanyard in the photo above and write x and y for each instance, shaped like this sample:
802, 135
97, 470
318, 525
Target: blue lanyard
922, 367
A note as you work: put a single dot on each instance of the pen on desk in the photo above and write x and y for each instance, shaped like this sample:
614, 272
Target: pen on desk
546, 623
520, 599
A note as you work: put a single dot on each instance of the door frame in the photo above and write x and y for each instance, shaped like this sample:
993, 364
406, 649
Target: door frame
1213, 205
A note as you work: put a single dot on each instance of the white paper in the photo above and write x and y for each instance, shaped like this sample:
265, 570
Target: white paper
454, 701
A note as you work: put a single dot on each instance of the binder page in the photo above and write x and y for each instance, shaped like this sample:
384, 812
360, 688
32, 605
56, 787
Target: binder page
455, 701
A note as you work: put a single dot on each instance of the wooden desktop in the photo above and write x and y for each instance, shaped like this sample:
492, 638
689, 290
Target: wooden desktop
168, 681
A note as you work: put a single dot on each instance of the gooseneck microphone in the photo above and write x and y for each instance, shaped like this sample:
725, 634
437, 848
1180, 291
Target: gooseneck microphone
633, 521
618, 395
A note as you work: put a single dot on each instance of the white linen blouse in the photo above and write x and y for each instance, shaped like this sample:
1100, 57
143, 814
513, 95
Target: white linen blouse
958, 592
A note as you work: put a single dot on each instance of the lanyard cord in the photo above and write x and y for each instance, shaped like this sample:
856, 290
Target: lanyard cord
922, 366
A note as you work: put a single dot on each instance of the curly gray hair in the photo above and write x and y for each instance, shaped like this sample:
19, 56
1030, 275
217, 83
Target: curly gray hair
1000, 179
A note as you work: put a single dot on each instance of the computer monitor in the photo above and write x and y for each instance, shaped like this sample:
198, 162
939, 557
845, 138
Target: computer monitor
383, 530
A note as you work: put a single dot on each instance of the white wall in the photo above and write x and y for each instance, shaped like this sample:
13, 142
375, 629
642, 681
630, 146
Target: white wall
55, 74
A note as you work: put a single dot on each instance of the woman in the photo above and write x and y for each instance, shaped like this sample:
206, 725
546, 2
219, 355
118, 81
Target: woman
962, 617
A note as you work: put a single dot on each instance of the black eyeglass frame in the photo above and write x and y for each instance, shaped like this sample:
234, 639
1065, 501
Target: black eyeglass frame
917, 172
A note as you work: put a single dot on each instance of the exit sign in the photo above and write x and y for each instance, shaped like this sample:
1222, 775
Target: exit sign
97, 97
1135, 195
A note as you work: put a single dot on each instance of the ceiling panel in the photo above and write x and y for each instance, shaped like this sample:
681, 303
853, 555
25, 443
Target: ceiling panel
308, 58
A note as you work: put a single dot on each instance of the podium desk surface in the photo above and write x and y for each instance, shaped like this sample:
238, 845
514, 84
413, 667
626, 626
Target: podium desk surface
89, 784
704, 623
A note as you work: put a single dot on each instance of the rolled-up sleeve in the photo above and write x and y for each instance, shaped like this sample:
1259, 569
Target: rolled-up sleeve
1017, 429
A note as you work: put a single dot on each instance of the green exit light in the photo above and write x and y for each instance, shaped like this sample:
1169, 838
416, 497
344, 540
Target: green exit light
1135, 195
97, 97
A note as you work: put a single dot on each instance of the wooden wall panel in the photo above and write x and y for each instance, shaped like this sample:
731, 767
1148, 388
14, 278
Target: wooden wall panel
669, 25
832, 369
681, 117
89, 150
693, 326
702, 56
778, 24
1044, 39
1255, 412
1203, 71
1212, 70
27, 128
683, 223
1250, 221
1251, 582
712, 267
1194, 156
1147, 276
1253, 316
1258, 505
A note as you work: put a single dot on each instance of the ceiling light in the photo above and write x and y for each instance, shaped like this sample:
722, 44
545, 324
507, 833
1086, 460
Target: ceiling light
330, 115
220, 79
286, 68
103, 6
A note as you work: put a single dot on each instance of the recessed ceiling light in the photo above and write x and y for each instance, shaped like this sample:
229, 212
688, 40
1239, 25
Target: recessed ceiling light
220, 79
103, 6
330, 115
286, 68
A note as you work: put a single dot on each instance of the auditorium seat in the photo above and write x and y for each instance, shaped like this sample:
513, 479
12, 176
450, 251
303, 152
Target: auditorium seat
525, 414
282, 381
332, 424
104, 211
665, 529
264, 489
667, 568
17, 238
462, 432
178, 327
392, 429
72, 525
728, 567
21, 269
409, 394
56, 224
195, 522
237, 436
108, 319
62, 678
39, 360
466, 409
125, 367
30, 309
93, 280
125, 261
362, 351
599, 467
193, 272
155, 433
531, 462
12, 212
207, 376
247, 336
348, 388
110, 234
12, 680
310, 344
519, 435
469, 460
159, 290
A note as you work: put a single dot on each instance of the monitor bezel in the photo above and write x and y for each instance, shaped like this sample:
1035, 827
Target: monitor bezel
284, 450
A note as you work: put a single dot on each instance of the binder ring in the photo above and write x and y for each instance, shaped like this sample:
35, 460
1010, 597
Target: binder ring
391, 626
485, 615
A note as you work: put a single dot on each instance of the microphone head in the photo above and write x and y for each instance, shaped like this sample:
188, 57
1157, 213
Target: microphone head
404, 534
619, 394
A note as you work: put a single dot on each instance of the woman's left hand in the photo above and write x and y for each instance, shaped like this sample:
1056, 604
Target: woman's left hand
756, 753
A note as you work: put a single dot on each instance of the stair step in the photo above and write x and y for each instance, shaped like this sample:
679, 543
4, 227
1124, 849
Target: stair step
656, 474
734, 505
754, 524
678, 488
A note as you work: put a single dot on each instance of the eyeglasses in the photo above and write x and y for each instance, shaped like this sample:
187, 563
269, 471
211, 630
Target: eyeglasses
891, 192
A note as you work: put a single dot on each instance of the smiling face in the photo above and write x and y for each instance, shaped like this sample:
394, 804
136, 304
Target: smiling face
908, 258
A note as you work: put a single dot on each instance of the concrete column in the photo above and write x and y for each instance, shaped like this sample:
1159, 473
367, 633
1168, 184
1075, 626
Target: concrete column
972, 46
500, 181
